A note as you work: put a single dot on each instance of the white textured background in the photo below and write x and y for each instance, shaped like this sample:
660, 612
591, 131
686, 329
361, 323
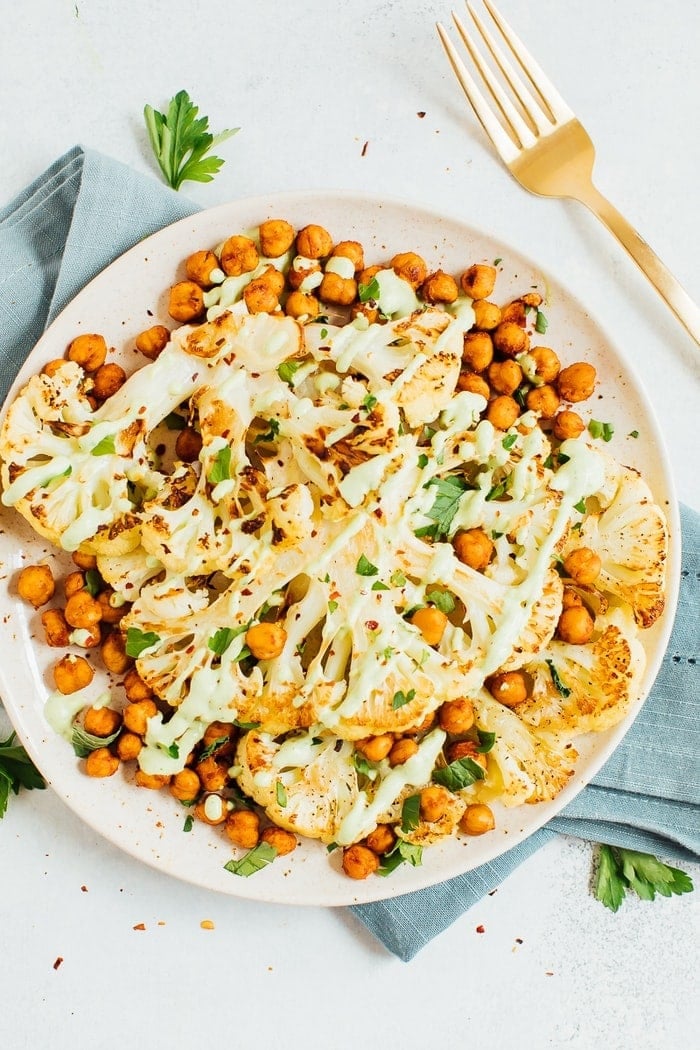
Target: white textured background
310, 82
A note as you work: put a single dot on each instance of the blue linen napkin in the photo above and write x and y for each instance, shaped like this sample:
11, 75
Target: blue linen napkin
87, 209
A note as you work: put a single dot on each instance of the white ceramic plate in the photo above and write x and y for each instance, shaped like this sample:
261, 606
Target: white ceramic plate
131, 295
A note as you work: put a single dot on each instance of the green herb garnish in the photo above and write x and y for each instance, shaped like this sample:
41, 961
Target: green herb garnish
281, 794
105, 447
601, 430
368, 293
287, 370
138, 641
181, 142
459, 774
410, 813
270, 434
622, 869
364, 567
442, 600
255, 860
402, 852
221, 467
540, 323
449, 492
558, 684
400, 699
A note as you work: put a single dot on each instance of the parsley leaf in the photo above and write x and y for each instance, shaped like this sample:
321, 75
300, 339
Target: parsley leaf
255, 860
332, 606
540, 323
270, 434
410, 813
174, 421
287, 370
486, 741
181, 142
509, 440
84, 742
212, 748
449, 492
16, 771
442, 600
138, 641
379, 586
559, 685
401, 699
221, 639
369, 402
622, 869
93, 582
601, 430
402, 851
189, 823
423, 460
364, 567
459, 774
367, 293
221, 468
364, 766
281, 794
105, 447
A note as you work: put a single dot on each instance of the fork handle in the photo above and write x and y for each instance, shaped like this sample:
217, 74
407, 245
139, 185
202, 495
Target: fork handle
647, 260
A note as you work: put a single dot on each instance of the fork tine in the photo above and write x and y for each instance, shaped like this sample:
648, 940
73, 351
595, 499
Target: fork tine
503, 142
517, 126
533, 71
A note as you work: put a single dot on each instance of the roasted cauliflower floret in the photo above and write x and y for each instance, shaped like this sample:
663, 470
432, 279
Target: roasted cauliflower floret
630, 537
428, 832
303, 783
531, 767
586, 688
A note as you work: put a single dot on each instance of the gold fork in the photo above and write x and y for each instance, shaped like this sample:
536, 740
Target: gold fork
545, 147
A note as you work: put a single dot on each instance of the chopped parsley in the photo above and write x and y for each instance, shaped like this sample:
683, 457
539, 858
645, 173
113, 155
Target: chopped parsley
633, 434
287, 370
84, 742
368, 293
221, 467
410, 813
189, 823
401, 699
486, 741
138, 641
270, 434
403, 852
423, 460
540, 323
364, 567
442, 600
255, 860
221, 639
212, 748
281, 794
581, 506
509, 440
174, 421
105, 447
93, 582
332, 606
601, 430
449, 492
369, 402
459, 774
559, 685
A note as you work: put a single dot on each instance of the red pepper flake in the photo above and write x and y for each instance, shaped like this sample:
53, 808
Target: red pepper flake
420, 113
139, 926
364, 149
59, 960
84, 889
371, 625
481, 929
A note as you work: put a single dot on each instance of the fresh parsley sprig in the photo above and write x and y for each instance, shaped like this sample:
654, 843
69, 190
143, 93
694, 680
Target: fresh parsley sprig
621, 869
16, 771
181, 141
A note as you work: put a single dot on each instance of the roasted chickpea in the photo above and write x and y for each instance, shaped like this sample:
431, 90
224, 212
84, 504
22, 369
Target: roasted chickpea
382, 839
113, 652
266, 640
185, 785
477, 353
577, 381
107, 380
211, 810
300, 305
89, 351
502, 412
575, 625
111, 613
375, 748
56, 630
570, 598
276, 237
212, 773
186, 301
314, 242
515, 312
87, 637
304, 270
238, 256
568, 424
84, 561
128, 745
340, 291
505, 376
410, 267
136, 716
101, 763
283, 841
188, 445
547, 364
152, 781
544, 400
473, 548
474, 384
243, 828
74, 582
510, 339
477, 819
431, 623
101, 721
487, 315
439, 287
402, 750
509, 688
457, 716
219, 733
259, 297
359, 862
52, 367
135, 687
353, 251
199, 267
583, 566
152, 341
82, 610
478, 281
434, 802
72, 673
35, 584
